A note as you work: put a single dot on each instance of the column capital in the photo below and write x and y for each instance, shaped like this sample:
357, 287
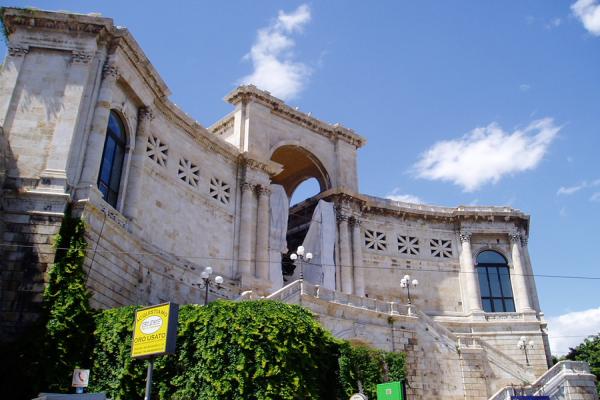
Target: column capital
110, 71
342, 217
145, 114
515, 237
263, 190
247, 186
355, 221
17, 51
81, 57
465, 236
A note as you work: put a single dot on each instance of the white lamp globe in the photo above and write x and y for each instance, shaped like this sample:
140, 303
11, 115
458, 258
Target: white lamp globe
293, 257
218, 279
208, 270
407, 278
300, 250
531, 343
415, 282
309, 256
204, 275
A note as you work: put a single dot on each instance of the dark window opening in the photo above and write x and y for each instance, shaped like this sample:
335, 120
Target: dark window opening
113, 155
494, 283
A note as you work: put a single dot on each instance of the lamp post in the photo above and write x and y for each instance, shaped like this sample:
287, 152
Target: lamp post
525, 346
405, 283
205, 275
301, 257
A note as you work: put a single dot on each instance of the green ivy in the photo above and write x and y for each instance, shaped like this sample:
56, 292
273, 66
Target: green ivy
70, 319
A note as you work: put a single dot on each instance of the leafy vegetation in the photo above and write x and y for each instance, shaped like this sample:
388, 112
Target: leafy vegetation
589, 351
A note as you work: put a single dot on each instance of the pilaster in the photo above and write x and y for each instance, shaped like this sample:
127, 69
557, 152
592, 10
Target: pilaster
472, 297
347, 278
519, 280
262, 234
357, 258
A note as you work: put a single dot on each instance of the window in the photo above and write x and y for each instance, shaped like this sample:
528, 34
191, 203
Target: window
109, 178
441, 248
494, 283
375, 240
408, 245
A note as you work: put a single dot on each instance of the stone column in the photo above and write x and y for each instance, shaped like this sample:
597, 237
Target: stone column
345, 256
135, 175
10, 75
62, 137
357, 257
532, 289
467, 267
246, 231
262, 234
95, 142
519, 280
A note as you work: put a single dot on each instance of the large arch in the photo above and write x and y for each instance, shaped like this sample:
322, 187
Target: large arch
299, 165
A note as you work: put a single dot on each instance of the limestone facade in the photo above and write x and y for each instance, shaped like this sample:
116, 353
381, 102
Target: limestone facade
190, 197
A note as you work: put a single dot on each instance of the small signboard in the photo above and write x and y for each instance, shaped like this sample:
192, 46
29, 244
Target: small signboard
530, 397
155, 330
81, 377
390, 391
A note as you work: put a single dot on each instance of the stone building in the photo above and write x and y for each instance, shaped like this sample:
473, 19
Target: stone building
86, 122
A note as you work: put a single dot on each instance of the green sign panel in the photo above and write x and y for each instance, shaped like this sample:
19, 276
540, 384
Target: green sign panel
390, 391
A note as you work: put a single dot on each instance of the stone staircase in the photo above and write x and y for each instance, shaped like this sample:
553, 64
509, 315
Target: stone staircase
440, 363
566, 380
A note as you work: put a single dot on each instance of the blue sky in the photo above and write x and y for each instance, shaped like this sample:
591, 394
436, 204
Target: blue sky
489, 103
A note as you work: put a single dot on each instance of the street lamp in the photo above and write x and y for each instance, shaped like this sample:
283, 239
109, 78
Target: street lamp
524, 345
405, 283
301, 256
205, 275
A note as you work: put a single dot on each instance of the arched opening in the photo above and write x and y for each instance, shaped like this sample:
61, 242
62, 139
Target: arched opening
113, 155
303, 177
494, 282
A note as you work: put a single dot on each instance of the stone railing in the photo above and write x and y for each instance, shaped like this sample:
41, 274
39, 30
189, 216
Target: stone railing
547, 383
498, 358
366, 303
286, 292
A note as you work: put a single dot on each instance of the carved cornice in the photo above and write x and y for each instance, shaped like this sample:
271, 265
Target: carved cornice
71, 23
81, 57
331, 131
17, 51
515, 237
269, 167
222, 125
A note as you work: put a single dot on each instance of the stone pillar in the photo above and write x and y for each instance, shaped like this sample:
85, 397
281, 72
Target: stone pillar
357, 258
246, 223
467, 267
532, 289
262, 234
62, 137
519, 280
95, 142
10, 76
345, 256
136, 171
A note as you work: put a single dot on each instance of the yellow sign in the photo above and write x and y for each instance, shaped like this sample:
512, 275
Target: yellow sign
155, 330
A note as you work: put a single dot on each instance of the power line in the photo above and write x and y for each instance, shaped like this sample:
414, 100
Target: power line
197, 257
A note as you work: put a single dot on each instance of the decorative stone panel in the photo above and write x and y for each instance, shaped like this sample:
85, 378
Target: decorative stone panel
219, 190
408, 245
157, 151
188, 172
441, 248
375, 240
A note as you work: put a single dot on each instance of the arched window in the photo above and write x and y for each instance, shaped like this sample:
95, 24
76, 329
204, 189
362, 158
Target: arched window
494, 282
109, 178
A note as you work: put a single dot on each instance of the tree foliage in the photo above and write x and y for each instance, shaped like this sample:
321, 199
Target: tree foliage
247, 350
588, 351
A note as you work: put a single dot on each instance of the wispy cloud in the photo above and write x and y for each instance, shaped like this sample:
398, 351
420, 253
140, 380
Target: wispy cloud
275, 68
569, 190
524, 87
588, 12
595, 197
396, 195
568, 330
487, 154
554, 23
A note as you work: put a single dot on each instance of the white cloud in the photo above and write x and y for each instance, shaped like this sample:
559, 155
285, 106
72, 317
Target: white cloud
524, 87
588, 11
271, 54
487, 154
595, 197
405, 198
554, 23
569, 190
568, 330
